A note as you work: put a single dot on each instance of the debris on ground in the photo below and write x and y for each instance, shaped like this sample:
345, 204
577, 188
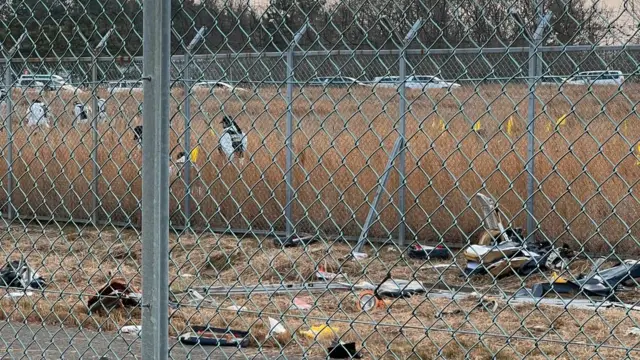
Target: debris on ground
18, 274
503, 251
342, 350
275, 327
118, 293
131, 329
206, 335
396, 288
602, 283
515, 256
192, 298
423, 252
320, 332
633, 331
325, 275
301, 303
368, 301
300, 239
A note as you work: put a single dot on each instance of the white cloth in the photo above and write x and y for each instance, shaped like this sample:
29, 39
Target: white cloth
38, 115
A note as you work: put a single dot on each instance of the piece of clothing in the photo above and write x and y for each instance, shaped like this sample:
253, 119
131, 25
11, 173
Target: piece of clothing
37, 115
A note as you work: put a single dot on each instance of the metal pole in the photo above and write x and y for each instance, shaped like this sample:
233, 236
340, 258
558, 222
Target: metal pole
155, 176
402, 108
187, 142
187, 127
8, 81
288, 212
533, 78
94, 149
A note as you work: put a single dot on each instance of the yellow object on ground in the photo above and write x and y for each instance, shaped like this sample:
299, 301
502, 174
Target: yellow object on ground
320, 331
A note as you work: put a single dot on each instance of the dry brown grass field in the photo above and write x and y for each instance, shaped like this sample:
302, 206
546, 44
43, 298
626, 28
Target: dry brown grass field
586, 168
76, 263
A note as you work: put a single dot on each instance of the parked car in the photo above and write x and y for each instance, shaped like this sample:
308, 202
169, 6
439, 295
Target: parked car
552, 80
44, 81
604, 77
337, 81
213, 85
125, 86
415, 82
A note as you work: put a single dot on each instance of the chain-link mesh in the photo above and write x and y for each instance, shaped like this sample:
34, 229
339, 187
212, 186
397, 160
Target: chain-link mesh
407, 179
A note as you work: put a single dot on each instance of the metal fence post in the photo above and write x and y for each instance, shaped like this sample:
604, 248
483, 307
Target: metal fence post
8, 82
288, 213
531, 138
402, 109
155, 176
187, 126
94, 123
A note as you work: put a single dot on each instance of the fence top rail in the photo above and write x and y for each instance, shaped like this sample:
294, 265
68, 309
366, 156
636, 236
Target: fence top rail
315, 53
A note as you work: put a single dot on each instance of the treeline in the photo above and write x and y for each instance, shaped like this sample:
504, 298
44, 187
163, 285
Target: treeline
53, 25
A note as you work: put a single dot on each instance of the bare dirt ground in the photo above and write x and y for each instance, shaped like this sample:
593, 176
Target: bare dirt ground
77, 262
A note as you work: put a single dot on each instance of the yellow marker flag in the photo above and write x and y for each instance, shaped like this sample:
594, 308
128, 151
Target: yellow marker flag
549, 127
194, 154
477, 126
638, 154
561, 120
510, 126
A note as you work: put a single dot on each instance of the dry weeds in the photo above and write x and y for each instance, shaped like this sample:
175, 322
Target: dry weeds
586, 168
77, 262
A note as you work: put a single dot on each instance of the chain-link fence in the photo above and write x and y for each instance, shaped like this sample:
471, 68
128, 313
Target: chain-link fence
440, 180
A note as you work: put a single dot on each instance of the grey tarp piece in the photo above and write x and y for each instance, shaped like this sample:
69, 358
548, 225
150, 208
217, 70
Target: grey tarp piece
602, 283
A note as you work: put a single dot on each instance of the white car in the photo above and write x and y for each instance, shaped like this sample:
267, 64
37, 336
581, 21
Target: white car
552, 80
218, 85
336, 81
604, 77
415, 82
125, 86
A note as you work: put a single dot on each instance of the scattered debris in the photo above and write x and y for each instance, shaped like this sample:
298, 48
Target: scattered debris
235, 308
400, 288
522, 258
275, 327
358, 255
301, 304
341, 350
131, 329
325, 275
191, 298
368, 301
448, 312
597, 283
18, 274
320, 332
296, 240
118, 293
424, 252
634, 331
487, 305
392, 248
205, 335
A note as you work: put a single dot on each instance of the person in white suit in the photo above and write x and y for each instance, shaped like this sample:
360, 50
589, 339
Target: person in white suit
38, 114
81, 113
233, 140
102, 109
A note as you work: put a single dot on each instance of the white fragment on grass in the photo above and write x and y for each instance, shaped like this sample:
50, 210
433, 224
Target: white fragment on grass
634, 331
275, 327
359, 255
235, 308
301, 304
131, 329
